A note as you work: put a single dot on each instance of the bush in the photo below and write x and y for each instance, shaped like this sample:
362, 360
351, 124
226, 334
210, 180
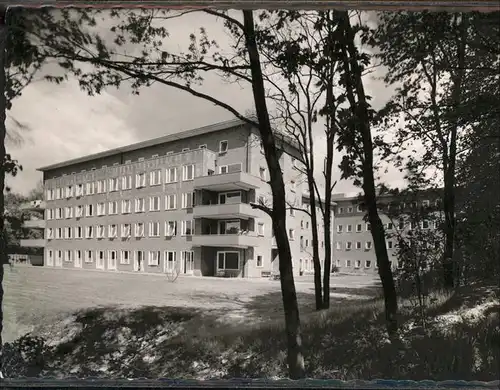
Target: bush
24, 357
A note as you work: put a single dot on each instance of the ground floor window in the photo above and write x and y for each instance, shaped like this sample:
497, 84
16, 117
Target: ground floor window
228, 260
260, 262
170, 261
154, 258
187, 258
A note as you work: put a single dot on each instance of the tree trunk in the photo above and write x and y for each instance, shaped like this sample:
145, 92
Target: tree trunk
355, 87
3, 252
290, 304
449, 261
315, 241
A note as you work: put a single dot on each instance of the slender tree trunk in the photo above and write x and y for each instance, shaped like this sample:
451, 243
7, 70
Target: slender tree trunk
290, 304
355, 87
3, 252
449, 263
315, 242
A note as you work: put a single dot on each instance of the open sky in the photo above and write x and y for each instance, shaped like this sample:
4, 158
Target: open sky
62, 122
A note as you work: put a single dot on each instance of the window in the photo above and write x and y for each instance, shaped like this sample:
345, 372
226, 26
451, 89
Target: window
140, 205
50, 194
170, 228
113, 184
69, 191
100, 259
154, 229
101, 209
88, 256
348, 263
125, 257
359, 208
232, 198
340, 210
302, 224
50, 234
89, 210
228, 260
223, 146
357, 263
59, 233
126, 206
260, 228
113, 208
154, 203
413, 225
140, 180
425, 203
59, 213
58, 193
368, 245
413, 205
126, 230
339, 228
436, 224
188, 172
79, 190
101, 186
139, 229
172, 175
101, 231
127, 182
187, 200
169, 153
155, 177
390, 226
49, 214
292, 212
68, 256
113, 231
349, 228
223, 169
68, 212
89, 232
425, 224
171, 202
348, 245
401, 224
170, 260
307, 224
67, 232
292, 185
291, 234
204, 146
368, 264
187, 228
263, 173
389, 245
155, 156
350, 209
368, 227
359, 227
338, 245
358, 245
154, 258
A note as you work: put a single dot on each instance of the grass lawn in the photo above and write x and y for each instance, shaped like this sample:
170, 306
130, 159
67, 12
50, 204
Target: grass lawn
120, 325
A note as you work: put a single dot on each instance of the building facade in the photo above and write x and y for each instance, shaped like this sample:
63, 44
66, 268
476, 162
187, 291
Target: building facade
181, 201
353, 250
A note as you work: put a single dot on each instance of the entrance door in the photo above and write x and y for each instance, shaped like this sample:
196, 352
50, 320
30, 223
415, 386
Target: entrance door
59, 259
100, 260
139, 261
78, 259
50, 258
170, 262
187, 262
112, 260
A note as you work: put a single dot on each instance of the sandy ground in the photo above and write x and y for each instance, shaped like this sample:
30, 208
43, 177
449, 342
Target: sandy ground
36, 295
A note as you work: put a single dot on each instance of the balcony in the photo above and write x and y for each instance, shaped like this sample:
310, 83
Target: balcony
226, 240
228, 182
225, 211
34, 224
33, 243
35, 205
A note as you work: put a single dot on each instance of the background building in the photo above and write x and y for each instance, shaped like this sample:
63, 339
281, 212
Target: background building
180, 199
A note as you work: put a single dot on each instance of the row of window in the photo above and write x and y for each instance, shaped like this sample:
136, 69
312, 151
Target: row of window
357, 245
112, 231
425, 224
100, 209
123, 257
402, 206
113, 184
367, 264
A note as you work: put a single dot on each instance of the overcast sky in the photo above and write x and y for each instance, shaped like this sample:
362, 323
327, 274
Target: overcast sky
62, 122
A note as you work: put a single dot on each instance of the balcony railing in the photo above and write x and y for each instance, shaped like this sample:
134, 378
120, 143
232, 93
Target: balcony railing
224, 211
33, 243
35, 224
35, 205
227, 240
228, 182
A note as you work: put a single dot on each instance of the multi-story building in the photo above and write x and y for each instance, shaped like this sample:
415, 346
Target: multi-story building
353, 250
180, 200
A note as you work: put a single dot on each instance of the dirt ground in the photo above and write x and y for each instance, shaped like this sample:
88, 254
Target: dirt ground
40, 296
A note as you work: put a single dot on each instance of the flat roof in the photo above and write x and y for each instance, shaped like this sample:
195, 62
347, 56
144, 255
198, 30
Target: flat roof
152, 142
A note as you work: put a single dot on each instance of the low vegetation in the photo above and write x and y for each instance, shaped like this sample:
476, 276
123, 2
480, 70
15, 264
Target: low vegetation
461, 340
